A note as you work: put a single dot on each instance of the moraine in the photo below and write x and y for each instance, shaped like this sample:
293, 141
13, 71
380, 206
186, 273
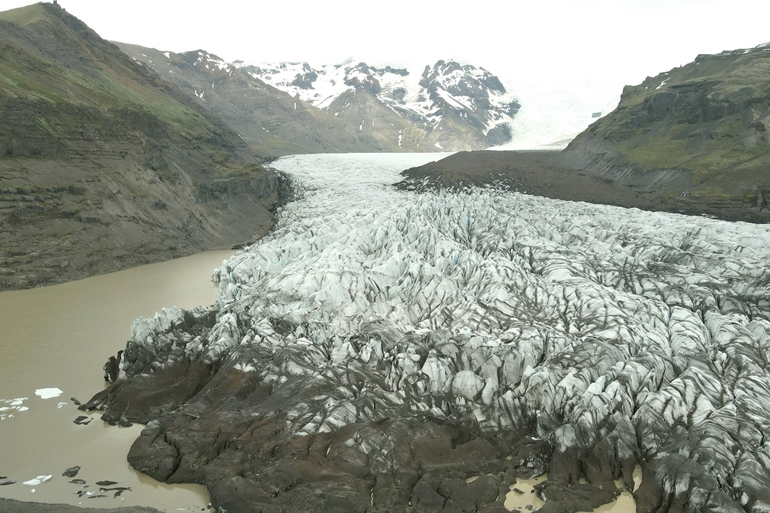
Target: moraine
380, 347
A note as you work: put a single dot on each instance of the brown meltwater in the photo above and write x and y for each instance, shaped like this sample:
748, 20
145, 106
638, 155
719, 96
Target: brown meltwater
59, 337
522, 496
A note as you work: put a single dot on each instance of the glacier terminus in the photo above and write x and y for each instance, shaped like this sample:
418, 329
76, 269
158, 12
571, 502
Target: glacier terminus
379, 347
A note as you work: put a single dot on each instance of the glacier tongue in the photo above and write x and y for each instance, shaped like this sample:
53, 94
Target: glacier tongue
614, 335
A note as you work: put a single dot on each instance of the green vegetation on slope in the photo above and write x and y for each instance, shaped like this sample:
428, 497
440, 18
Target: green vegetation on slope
705, 124
74, 81
103, 165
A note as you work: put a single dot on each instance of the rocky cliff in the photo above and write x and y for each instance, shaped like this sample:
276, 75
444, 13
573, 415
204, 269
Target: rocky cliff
696, 135
103, 165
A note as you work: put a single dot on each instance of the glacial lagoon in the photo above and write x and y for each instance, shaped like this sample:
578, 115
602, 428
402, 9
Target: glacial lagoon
59, 337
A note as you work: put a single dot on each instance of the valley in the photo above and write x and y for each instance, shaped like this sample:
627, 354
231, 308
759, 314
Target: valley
415, 319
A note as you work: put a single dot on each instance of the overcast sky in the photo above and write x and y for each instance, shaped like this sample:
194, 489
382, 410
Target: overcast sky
622, 40
595, 46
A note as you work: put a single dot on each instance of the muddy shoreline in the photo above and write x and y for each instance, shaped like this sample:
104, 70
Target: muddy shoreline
13, 506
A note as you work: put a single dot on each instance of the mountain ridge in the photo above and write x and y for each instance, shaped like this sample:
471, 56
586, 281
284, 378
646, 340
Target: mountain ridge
691, 140
473, 96
696, 134
353, 107
103, 165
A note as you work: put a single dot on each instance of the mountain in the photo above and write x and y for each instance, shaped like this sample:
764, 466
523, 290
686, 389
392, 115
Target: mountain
285, 108
453, 107
697, 135
692, 140
271, 121
103, 165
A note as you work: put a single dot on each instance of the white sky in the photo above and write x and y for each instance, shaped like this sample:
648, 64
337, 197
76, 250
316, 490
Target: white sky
534, 46
625, 40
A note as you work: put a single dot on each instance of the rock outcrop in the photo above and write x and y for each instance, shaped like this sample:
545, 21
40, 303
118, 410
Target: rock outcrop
104, 166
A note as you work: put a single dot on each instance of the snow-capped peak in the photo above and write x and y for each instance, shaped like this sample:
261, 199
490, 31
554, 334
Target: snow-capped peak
473, 93
210, 61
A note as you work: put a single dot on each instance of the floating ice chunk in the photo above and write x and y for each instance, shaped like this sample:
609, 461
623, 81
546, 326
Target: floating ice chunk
61, 404
48, 393
38, 480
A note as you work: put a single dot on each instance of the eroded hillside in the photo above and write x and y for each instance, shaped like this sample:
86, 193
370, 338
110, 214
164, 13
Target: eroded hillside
696, 134
103, 165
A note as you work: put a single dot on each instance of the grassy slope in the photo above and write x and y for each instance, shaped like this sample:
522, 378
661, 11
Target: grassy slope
103, 165
51, 58
707, 121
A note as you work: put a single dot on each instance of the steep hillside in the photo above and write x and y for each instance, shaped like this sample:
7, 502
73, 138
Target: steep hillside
271, 121
696, 135
103, 165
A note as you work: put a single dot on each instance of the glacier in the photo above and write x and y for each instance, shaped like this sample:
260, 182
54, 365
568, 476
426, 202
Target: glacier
379, 346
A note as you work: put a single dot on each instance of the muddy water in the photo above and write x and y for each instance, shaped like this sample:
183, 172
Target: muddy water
522, 496
59, 337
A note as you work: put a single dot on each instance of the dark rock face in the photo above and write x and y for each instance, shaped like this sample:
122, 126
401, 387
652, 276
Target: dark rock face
305, 79
361, 77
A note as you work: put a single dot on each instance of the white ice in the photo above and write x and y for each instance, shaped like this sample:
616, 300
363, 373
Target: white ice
13, 405
38, 480
48, 393
588, 322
